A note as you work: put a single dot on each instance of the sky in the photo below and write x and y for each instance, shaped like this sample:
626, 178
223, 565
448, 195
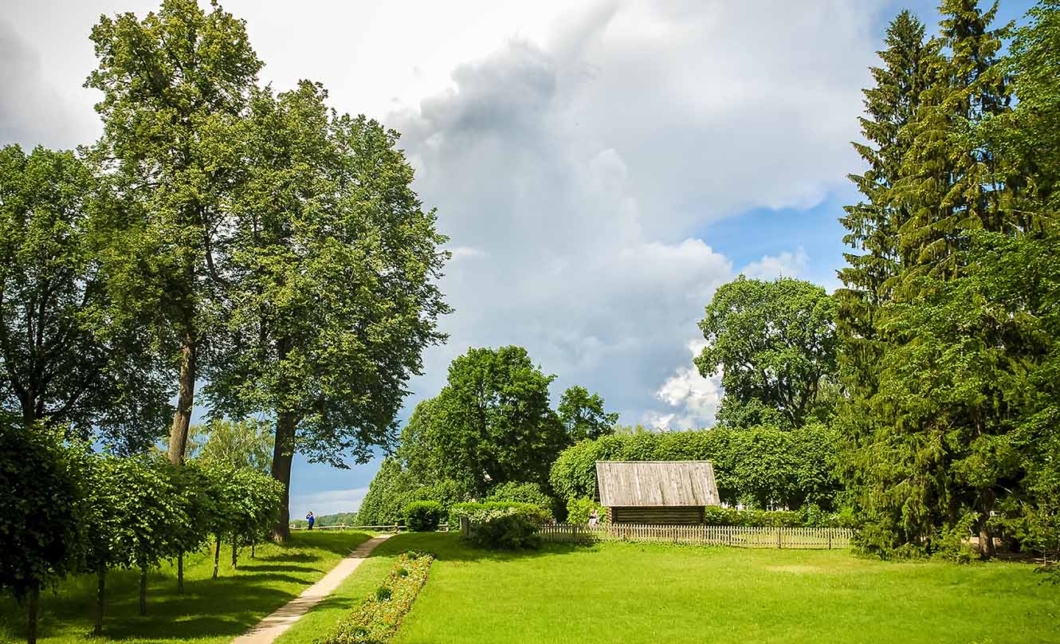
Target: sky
600, 167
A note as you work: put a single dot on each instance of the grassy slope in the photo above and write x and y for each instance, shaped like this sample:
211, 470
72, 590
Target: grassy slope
642, 593
209, 611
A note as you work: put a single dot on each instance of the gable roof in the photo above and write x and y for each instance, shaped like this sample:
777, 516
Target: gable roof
656, 483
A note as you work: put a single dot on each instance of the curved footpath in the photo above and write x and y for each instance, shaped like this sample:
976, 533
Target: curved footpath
267, 630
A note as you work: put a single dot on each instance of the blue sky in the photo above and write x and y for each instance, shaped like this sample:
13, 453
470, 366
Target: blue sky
600, 167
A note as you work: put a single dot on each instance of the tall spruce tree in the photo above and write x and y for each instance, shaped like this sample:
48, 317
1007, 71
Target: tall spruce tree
875, 261
930, 424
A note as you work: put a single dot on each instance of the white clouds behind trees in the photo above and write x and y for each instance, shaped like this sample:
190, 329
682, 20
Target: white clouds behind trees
574, 153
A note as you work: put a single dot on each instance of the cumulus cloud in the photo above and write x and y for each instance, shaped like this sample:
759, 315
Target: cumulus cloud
582, 165
693, 399
786, 264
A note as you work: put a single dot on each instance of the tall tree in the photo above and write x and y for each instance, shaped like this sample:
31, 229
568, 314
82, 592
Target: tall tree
335, 295
872, 225
63, 359
583, 414
774, 343
175, 85
932, 410
490, 424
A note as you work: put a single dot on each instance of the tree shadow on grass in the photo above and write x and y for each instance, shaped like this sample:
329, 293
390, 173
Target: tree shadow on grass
209, 608
450, 547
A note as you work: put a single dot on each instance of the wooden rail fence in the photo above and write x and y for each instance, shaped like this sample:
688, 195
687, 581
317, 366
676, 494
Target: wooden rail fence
366, 528
706, 535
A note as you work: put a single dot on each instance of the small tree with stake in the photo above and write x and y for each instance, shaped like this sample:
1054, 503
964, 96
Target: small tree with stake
39, 505
150, 513
256, 507
105, 545
194, 487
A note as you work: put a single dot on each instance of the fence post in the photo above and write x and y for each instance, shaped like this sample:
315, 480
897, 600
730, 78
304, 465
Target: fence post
779, 545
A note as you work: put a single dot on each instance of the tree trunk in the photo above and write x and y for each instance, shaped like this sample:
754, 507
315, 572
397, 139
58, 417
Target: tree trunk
143, 590
986, 537
180, 574
33, 611
178, 433
252, 544
216, 556
282, 456
235, 551
101, 587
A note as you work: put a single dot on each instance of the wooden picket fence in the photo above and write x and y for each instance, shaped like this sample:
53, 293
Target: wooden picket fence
704, 535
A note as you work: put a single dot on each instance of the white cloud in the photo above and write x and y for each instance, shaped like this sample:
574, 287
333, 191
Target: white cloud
574, 152
327, 502
695, 398
786, 264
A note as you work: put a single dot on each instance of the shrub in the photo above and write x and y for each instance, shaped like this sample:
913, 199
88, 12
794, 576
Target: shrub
423, 516
376, 620
503, 526
579, 510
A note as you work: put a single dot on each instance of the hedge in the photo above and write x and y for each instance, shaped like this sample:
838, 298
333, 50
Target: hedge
377, 619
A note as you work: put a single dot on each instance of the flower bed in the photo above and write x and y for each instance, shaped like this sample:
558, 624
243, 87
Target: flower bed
377, 619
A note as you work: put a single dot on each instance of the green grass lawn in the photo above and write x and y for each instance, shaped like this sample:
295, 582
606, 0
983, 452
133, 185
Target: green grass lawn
658, 593
209, 611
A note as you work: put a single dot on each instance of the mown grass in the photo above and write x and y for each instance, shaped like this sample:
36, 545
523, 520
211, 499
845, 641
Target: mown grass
657, 593
210, 611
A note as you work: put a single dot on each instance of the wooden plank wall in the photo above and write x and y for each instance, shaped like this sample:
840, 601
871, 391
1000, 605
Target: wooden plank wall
657, 515
706, 535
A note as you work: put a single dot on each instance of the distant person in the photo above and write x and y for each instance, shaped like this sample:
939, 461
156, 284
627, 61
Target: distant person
310, 519
594, 518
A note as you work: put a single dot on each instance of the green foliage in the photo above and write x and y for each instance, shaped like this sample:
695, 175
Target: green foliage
948, 342
376, 620
579, 510
175, 86
40, 508
393, 488
583, 414
489, 425
810, 516
501, 525
520, 493
761, 467
233, 444
775, 345
423, 516
64, 358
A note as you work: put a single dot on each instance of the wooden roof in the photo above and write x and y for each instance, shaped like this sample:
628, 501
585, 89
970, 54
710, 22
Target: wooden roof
656, 483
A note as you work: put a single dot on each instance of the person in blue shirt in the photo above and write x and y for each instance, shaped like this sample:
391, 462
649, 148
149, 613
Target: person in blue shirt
309, 519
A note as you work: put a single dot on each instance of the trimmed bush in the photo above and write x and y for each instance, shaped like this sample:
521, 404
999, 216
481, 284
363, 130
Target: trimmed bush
423, 516
377, 619
502, 526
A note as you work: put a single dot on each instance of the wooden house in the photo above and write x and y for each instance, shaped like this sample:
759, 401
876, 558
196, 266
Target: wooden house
656, 492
